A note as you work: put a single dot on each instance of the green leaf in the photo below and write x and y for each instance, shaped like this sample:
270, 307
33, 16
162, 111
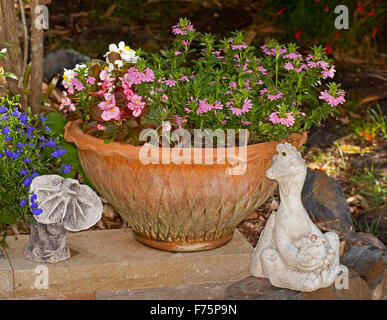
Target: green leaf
56, 122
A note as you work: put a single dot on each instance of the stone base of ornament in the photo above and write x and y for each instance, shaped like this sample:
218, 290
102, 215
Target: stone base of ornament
110, 264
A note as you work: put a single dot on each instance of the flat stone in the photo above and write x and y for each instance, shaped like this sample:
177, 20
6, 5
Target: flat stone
111, 260
6, 279
324, 200
252, 288
370, 262
185, 292
361, 239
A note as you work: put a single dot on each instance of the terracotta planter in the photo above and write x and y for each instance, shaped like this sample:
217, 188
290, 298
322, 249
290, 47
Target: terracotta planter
186, 207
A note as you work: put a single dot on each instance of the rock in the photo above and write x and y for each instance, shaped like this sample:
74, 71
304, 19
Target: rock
370, 263
57, 60
252, 288
357, 290
324, 200
361, 239
108, 212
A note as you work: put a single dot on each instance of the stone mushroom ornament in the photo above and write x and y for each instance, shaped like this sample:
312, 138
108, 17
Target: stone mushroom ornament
292, 252
67, 206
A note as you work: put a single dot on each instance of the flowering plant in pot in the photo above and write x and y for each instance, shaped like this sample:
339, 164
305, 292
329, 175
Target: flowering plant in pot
198, 83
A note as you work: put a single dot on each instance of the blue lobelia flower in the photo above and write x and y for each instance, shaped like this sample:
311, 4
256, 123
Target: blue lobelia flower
37, 212
6, 130
22, 203
67, 168
3, 109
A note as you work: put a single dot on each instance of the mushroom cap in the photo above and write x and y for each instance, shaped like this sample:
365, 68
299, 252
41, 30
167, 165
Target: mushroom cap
65, 200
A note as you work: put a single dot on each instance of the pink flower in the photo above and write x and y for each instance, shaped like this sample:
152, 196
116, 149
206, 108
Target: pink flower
238, 47
288, 121
246, 123
100, 127
77, 84
107, 82
288, 66
272, 97
184, 78
177, 53
232, 85
134, 76
90, 80
110, 102
180, 120
164, 97
323, 64
185, 42
335, 100
136, 105
292, 56
188, 110
329, 73
66, 102
170, 83
166, 126
113, 113
223, 122
178, 29
247, 105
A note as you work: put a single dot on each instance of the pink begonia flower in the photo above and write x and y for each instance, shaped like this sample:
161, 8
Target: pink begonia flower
100, 127
333, 101
113, 113
70, 90
129, 93
66, 102
110, 102
107, 82
136, 105
164, 97
90, 80
166, 126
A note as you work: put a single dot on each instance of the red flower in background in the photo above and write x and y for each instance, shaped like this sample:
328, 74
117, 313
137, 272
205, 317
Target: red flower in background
298, 34
317, 1
374, 33
336, 34
326, 7
328, 49
281, 11
371, 13
360, 7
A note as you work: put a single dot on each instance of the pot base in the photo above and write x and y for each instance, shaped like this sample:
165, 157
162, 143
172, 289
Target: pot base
183, 246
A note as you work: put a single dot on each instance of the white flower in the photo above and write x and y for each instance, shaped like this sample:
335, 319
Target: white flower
117, 64
68, 75
126, 54
4, 51
79, 67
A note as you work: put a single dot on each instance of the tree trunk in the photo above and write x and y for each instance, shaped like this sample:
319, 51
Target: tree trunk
36, 60
8, 33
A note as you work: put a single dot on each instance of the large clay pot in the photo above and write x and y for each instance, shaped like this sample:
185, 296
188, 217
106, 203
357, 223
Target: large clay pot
186, 207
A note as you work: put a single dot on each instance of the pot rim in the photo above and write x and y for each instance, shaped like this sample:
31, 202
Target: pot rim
86, 142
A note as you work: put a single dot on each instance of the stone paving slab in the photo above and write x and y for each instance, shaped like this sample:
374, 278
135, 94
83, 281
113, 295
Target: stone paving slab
6, 278
112, 261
